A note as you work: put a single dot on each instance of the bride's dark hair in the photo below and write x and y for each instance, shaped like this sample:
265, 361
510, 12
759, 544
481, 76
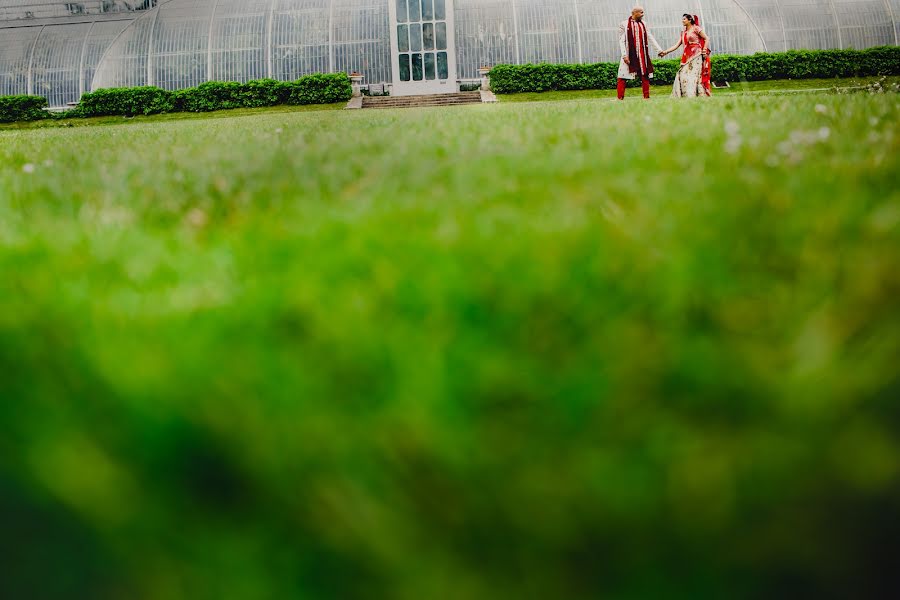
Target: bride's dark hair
689, 18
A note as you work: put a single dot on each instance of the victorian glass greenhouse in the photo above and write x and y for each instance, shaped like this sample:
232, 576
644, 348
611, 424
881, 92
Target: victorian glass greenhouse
62, 49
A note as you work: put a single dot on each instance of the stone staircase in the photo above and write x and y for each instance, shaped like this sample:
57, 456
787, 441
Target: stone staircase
457, 99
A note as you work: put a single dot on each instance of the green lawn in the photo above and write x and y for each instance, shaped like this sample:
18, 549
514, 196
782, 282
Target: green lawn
550, 350
181, 116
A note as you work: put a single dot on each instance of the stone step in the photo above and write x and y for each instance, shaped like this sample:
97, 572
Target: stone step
413, 99
422, 101
449, 95
386, 107
401, 106
427, 104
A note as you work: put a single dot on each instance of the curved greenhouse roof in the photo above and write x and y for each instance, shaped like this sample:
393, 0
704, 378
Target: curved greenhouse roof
52, 48
60, 49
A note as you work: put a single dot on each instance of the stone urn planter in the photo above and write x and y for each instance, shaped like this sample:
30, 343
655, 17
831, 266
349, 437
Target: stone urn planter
356, 80
485, 79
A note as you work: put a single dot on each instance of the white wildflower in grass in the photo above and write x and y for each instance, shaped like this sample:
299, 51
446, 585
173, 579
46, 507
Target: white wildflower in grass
612, 211
197, 218
733, 144
821, 109
279, 130
824, 133
885, 218
112, 216
28, 168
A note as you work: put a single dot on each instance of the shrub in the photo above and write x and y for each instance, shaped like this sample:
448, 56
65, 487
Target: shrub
219, 95
265, 92
510, 79
127, 102
321, 89
215, 95
794, 64
210, 96
224, 95
22, 108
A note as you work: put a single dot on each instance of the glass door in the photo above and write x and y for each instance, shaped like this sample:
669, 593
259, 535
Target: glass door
422, 47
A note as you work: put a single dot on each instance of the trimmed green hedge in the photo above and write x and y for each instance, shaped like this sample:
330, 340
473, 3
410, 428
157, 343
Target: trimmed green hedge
797, 64
216, 95
22, 108
321, 89
794, 64
124, 101
312, 89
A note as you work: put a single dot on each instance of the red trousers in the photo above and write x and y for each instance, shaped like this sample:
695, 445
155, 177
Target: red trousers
645, 85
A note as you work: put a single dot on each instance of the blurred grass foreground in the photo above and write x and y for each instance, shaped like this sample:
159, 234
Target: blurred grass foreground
546, 350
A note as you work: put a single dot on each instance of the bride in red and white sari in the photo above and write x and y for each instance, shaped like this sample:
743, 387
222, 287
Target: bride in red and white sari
692, 79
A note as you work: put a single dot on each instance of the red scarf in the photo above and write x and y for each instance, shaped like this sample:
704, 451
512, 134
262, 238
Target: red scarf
691, 50
638, 51
706, 73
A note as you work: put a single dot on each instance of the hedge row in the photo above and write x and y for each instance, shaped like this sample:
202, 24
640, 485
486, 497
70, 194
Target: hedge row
216, 95
22, 108
819, 64
794, 64
311, 89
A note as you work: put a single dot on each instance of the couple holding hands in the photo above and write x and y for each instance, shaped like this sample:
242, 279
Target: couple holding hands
692, 79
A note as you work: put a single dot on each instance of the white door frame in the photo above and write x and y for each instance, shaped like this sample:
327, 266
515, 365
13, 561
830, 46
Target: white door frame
418, 88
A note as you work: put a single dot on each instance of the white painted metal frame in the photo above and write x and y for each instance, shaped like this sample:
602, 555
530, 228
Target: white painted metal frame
419, 88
